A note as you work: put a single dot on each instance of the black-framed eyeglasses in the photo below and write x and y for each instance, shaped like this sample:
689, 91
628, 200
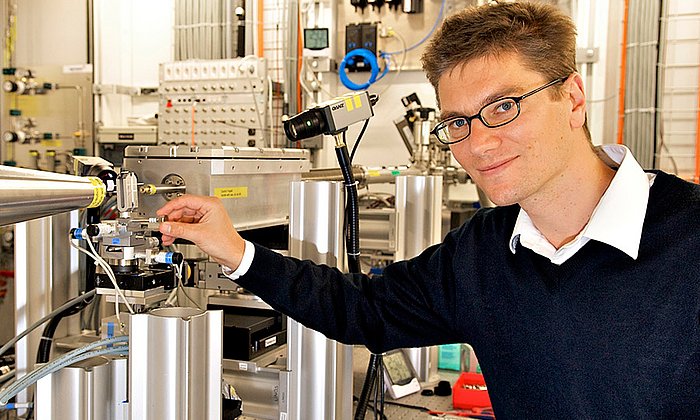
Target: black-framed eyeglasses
495, 114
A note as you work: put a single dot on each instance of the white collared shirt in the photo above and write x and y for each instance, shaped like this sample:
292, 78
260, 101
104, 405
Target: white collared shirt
244, 266
617, 220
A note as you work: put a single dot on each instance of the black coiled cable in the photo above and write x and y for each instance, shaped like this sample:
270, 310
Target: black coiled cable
352, 210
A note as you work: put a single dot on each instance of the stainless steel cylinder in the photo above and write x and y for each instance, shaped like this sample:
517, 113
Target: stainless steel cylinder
316, 222
175, 364
419, 214
94, 389
321, 369
27, 194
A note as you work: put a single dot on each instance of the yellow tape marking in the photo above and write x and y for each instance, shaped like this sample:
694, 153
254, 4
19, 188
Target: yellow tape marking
98, 193
373, 173
231, 192
348, 104
358, 101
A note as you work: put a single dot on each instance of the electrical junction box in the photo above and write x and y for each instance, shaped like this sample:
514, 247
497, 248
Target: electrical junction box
128, 135
360, 35
214, 103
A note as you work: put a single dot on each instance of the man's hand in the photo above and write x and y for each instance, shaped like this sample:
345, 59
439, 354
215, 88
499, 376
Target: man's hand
204, 221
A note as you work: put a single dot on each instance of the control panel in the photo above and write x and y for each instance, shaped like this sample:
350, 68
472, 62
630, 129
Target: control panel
214, 103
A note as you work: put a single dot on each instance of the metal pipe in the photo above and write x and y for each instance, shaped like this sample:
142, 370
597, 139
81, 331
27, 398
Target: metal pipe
11, 172
24, 198
363, 175
150, 189
81, 117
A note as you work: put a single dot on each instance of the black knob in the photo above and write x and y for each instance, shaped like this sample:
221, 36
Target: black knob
178, 258
93, 230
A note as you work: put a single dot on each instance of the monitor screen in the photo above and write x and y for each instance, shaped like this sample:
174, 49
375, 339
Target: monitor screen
315, 38
397, 367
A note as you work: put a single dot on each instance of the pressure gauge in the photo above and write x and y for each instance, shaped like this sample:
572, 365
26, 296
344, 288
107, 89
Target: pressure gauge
14, 87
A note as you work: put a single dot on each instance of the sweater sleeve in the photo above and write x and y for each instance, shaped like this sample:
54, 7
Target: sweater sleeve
411, 305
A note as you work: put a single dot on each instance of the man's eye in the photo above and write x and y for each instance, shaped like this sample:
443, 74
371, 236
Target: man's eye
459, 123
505, 106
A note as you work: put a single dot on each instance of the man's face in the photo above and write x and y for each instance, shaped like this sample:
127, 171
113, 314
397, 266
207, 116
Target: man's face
523, 160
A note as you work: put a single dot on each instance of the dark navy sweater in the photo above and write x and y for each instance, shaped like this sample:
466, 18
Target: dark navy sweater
600, 336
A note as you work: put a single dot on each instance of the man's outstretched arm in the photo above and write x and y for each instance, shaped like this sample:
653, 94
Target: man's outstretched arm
205, 222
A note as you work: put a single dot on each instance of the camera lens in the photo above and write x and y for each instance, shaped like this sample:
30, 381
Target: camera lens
307, 124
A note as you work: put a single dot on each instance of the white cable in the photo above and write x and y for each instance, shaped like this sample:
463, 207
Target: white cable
176, 29
216, 30
302, 82
205, 26
47, 369
64, 360
117, 291
203, 15
210, 30
181, 285
95, 257
403, 60
184, 32
99, 260
20, 384
171, 297
189, 12
196, 19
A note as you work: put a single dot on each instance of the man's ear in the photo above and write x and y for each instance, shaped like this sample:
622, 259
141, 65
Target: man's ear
577, 98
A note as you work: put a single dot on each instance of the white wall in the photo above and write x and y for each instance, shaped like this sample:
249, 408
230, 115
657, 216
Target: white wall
51, 32
131, 38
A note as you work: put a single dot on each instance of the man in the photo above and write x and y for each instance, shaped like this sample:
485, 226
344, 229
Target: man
580, 294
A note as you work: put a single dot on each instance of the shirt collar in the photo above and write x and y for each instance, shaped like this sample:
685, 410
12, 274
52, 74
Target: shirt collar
618, 218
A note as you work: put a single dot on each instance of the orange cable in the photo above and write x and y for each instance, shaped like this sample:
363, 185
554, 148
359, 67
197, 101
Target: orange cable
623, 69
193, 142
261, 36
696, 178
299, 54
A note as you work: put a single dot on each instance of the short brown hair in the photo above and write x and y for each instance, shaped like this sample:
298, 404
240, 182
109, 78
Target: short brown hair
543, 36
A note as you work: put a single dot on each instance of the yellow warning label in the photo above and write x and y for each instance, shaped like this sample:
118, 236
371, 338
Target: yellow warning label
98, 193
372, 172
348, 104
52, 143
231, 192
358, 101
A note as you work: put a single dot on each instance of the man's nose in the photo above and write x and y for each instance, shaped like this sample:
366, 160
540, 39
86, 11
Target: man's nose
482, 139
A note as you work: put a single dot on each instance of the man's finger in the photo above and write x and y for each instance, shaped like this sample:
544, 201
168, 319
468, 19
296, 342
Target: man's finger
180, 230
167, 240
